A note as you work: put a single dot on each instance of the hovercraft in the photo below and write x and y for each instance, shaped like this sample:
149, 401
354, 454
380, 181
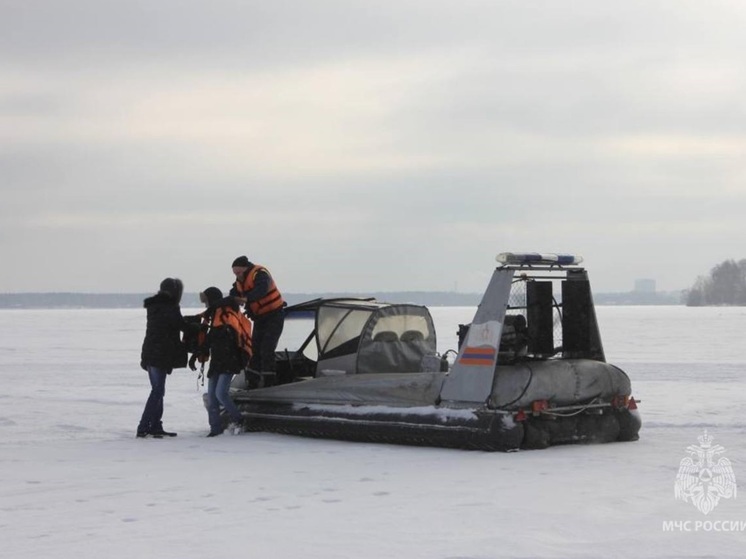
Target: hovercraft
530, 370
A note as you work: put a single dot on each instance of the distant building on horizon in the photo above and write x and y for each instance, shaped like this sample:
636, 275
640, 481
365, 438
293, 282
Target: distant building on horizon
644, 286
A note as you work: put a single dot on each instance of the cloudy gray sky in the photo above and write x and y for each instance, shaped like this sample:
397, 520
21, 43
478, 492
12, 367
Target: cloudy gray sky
360, 146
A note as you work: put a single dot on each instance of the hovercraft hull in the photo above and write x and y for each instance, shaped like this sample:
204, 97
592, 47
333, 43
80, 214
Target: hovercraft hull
405, 409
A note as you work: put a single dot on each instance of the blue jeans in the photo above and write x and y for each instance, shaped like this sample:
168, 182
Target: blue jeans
153, 413
217, 395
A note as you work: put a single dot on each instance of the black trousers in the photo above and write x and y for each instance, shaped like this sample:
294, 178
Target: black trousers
265, 336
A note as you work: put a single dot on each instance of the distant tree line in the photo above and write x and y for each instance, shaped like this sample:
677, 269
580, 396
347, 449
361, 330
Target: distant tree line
726, 285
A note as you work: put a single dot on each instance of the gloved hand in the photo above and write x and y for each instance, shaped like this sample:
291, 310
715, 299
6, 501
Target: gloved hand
193, 361
142, 366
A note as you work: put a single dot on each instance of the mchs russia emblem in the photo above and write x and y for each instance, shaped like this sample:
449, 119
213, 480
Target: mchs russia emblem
704, 476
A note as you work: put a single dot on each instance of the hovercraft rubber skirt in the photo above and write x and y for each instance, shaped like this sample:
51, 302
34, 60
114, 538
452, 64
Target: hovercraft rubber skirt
473, 430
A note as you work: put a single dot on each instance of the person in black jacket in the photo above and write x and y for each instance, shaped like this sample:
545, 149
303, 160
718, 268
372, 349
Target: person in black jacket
162, 351
227, 344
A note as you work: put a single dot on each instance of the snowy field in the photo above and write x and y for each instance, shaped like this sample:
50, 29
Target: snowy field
75, 483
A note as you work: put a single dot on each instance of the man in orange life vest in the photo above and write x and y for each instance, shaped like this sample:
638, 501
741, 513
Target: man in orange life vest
255, 288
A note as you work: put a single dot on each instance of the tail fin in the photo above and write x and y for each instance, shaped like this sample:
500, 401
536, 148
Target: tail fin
472, 374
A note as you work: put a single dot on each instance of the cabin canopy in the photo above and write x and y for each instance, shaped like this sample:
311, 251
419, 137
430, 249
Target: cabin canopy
367, 336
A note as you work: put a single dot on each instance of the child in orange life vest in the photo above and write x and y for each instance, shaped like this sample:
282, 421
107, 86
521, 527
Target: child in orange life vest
227, 344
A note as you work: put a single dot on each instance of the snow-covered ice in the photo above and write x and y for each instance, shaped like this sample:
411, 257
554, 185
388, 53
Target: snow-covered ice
74, 481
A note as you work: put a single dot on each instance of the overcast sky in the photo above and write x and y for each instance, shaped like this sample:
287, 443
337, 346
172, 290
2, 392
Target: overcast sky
385, 145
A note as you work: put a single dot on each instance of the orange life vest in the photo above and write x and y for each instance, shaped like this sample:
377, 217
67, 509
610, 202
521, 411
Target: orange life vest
270, 302
240, 325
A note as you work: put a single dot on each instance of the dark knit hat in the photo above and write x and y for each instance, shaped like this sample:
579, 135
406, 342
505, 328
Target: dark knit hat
172, 287
241, 261
210, 296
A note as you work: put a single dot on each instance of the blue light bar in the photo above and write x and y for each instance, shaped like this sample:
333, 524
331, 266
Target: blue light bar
545, 258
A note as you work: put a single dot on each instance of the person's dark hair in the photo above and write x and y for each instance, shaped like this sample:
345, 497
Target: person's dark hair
211, 296
173, 287
241, 261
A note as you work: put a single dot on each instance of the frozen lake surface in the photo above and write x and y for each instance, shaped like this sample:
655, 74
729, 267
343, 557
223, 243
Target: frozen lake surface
74, 482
